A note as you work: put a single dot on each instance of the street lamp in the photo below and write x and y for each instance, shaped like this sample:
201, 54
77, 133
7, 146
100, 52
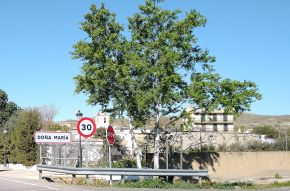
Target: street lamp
79, 115
5, 131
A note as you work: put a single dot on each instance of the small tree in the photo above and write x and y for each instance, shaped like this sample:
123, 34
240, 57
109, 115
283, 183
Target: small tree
23, 148
269, 131
47, 113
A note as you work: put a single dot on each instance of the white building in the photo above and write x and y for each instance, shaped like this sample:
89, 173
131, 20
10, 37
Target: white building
213, 121
102, 120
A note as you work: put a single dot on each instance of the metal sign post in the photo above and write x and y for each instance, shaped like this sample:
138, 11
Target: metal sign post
110, 164
110, 134
86, 128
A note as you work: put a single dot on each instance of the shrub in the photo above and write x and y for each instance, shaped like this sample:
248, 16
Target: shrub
277, 176
269, 131
125, 163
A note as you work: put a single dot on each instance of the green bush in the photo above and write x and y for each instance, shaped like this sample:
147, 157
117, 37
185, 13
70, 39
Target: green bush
160, 183
277, 176
125, 163
99, 183
269, 131
147, 183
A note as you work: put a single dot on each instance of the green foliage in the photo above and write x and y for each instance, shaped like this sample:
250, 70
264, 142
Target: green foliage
259, 146
6, 108
154, 71
118, 146
209, 91
100, 133
98, 183
280, 144
147, 75
273, 185
205, 149
125, 163
160, 183
255, 146
277, 176
147, 183
232, 185
22, 146
57, 127
269, 131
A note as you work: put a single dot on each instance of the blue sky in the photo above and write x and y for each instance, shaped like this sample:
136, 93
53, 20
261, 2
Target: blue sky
250, 39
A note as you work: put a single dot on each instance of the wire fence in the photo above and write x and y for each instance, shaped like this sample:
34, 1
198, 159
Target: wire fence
96, 153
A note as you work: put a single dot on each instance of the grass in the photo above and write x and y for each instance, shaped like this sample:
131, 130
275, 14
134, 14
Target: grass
179, 184
273, 185
205, 185
158, 183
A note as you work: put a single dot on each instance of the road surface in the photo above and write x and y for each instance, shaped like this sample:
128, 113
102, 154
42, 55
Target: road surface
28, 181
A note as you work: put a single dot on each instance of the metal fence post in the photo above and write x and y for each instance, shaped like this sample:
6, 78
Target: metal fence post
199, 181
122, 179
40, 174
110, 164
73, 178
181, 152
167, 156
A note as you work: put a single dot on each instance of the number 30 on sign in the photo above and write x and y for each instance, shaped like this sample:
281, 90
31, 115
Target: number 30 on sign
86, 127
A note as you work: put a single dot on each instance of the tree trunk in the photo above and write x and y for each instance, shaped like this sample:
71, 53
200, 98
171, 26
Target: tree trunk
156, 150
136, 149
156, 142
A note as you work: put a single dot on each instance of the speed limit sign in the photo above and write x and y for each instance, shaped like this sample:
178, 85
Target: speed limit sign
86, 127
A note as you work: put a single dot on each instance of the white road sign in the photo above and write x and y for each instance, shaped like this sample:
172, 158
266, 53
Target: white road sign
86, 127
42, 137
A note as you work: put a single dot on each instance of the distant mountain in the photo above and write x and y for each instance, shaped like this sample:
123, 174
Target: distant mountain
252, 120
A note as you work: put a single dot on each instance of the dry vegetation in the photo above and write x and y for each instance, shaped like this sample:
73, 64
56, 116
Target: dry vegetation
253, 120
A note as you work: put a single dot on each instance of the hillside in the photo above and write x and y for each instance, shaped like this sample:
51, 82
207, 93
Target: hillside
252, 120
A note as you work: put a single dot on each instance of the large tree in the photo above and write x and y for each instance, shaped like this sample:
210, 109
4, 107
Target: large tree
155, 71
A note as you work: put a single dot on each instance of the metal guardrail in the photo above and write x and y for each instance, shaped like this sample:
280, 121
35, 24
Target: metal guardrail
121, 171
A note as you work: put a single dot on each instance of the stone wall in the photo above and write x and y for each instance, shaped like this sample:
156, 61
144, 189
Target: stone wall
245, 165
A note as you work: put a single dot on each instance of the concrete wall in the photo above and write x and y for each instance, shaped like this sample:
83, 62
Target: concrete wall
247, 165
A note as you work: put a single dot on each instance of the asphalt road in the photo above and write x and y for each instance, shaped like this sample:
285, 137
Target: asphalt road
10, 184
13, 184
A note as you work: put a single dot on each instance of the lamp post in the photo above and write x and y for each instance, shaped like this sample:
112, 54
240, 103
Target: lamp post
5, 131
79, 115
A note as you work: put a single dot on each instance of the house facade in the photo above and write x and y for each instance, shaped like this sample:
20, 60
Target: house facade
213, 121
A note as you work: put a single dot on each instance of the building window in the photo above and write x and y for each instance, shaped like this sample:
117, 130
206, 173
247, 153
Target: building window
105, 120
203, 128
214, 117
225, 117
226, 128
215, 127
202, 117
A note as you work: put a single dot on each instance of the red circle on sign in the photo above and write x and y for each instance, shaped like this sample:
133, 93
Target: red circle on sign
110, 135
88, 127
